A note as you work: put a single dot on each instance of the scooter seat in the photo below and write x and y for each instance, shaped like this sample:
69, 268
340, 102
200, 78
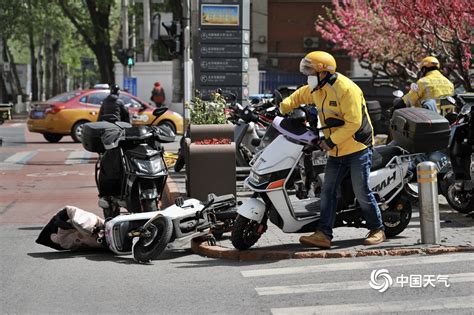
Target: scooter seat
383, 154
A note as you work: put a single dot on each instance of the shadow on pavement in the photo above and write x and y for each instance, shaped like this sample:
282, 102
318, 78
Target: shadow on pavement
101, 255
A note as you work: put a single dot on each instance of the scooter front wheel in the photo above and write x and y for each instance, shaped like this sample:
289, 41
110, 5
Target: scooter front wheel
150, 246
245, 233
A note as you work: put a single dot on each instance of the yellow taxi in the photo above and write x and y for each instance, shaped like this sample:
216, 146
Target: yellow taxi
66, 114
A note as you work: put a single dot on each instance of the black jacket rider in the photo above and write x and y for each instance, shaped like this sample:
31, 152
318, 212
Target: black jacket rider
113, 109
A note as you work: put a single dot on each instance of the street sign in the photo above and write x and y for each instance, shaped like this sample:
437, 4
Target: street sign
130, 85
224, 50
223, 78
224, 64
222, 47
224, 36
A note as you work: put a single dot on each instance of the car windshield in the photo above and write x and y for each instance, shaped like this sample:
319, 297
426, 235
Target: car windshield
64, 97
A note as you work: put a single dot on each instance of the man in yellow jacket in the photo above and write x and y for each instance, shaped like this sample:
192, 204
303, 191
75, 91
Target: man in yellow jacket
349, 146
432, 85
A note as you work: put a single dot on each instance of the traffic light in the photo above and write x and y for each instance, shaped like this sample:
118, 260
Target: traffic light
126, 57
130, 58
173, 29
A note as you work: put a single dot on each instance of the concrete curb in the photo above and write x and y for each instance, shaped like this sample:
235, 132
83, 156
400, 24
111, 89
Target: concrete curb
201, 247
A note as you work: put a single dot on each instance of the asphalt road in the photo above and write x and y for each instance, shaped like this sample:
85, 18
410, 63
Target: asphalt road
37, 178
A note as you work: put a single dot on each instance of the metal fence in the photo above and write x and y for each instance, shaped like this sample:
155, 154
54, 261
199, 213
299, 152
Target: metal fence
270, 81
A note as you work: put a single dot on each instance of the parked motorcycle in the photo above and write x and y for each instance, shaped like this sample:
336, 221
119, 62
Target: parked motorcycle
273, 175
131, 171
449, 107
460, 192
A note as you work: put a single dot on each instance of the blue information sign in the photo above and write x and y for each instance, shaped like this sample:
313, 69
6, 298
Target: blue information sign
130, 85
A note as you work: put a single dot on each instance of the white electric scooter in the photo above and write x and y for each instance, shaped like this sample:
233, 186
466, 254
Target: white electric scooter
275, 172
147, 234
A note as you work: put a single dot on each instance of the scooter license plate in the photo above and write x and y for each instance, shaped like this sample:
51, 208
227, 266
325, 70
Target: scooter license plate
319, 159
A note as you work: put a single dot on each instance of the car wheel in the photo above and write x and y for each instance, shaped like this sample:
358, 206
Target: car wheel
76, 132
52, 137
169, 124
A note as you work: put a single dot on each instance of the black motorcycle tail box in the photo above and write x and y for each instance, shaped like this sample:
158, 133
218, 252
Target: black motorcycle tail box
92, 133
419, 130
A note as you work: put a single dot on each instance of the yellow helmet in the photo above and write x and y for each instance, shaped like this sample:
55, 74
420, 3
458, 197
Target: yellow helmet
429, 62
317, 61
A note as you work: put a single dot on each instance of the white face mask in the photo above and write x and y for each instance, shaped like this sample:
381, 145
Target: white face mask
312, 82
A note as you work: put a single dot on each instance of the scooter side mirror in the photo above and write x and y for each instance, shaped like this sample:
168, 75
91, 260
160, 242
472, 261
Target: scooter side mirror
333, 122
277, 98
397, 93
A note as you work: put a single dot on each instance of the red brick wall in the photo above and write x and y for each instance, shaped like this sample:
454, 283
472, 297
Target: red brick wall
288, 24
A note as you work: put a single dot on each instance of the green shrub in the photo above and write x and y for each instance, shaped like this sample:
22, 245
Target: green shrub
208, 112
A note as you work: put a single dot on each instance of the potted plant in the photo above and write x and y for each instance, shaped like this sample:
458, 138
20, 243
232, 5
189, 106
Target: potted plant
210, 152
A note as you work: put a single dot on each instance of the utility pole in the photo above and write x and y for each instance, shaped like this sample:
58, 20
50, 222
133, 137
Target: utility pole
125, 34
146, 31
186, 52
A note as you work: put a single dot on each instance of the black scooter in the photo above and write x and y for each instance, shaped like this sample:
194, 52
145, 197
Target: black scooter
131, 171
460, 193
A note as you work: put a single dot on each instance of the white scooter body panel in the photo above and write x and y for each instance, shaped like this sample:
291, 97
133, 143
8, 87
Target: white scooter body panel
269, 162
172, 212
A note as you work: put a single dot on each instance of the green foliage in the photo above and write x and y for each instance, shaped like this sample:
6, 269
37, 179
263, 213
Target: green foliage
208, 112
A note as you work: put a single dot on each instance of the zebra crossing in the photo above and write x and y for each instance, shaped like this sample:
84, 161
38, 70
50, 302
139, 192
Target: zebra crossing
423, 301
67, 156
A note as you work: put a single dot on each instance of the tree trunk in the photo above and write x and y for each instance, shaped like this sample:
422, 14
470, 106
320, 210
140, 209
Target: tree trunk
34, 75
103, 54
55, 67
15, 80
48, 56
41, 73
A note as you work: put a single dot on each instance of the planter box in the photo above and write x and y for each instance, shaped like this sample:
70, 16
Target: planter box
210, 168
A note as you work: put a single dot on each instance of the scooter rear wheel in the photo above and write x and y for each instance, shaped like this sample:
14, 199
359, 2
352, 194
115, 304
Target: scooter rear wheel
150, 247
397, 216
244, 234
459, 200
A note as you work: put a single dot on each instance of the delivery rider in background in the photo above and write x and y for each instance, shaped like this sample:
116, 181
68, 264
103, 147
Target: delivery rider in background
428, 90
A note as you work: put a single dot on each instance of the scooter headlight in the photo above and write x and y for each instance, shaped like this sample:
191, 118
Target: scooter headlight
258, 180
150, 167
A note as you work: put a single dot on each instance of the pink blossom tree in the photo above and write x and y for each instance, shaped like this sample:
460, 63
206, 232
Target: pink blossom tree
390, 37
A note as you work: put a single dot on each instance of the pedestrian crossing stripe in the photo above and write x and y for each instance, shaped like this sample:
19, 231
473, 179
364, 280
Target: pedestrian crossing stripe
354, 265
346, 285
416, 305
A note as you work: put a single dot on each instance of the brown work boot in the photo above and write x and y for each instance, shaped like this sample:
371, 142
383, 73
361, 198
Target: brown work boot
317, 239
375, 237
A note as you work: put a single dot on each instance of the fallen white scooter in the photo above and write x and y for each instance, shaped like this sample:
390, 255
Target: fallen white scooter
147, 234
275, 172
